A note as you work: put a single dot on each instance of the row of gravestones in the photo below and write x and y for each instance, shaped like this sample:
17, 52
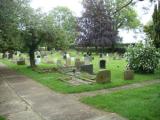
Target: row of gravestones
104, 76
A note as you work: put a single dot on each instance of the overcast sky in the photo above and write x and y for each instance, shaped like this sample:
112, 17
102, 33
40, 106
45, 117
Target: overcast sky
76, 7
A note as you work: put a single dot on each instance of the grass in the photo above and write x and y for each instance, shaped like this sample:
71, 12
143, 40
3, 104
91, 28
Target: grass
2, 118
52, 79
136, 104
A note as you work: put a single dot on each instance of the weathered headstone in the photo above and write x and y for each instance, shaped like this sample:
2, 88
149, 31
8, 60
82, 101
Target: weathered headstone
100, 55
38, 60
87, 68
87, 60
103, 76
102, 64
78, 63
21, 61
128, 75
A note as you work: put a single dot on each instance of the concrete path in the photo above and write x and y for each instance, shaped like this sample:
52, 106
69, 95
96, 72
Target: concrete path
24, 99
111, 90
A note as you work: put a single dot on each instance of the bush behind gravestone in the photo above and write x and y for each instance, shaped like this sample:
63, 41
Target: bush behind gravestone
142, 59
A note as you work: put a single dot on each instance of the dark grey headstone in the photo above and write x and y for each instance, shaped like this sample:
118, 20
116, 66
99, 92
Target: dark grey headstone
102, 64
87, 68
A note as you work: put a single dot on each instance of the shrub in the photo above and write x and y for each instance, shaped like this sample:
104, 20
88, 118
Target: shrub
142, 59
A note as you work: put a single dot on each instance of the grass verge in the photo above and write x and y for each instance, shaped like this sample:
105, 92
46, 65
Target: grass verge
136, 104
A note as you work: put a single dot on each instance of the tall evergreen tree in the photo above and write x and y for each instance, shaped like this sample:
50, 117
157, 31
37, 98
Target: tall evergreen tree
156, 25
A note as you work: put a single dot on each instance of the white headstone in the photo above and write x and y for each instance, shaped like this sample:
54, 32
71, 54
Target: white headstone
38, 60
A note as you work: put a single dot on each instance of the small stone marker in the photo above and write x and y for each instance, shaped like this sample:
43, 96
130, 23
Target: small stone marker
87, 68
103, 76
128, 75
102, 64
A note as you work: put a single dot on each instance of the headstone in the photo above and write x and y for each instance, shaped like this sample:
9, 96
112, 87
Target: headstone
100, 55
78, 63
103, 76
21, 61
64, 56
38, 60
7, 55
102, 64
87, 68
67, 56
87, 60
128, 75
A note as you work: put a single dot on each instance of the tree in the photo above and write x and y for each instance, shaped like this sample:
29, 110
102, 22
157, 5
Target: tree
9, 33
152, 29
64, 24
34, 31
156, 25
96, 27
126, 17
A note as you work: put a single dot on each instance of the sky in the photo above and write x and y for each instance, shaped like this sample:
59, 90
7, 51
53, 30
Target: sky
76, 7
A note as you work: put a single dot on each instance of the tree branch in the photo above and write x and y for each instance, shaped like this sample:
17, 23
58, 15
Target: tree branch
123, 6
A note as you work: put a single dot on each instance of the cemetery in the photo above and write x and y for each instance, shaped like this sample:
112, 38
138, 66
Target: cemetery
80, 60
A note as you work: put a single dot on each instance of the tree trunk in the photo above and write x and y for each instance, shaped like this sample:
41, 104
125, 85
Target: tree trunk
32, 58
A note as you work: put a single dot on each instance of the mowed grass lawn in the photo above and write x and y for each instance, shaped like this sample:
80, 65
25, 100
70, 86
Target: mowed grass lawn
2, 118
52, 79
135, 104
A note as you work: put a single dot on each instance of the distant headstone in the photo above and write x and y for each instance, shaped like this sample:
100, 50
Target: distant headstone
100, 55
78, 63
21, 61
87, 60
102, 64
38, 60
87, 68
64, 56
128, 75
103, 76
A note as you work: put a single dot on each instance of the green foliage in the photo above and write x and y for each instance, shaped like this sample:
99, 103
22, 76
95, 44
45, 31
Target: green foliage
2, 118
142, 59
125, 18
135, 104
63, 23
156, 25
9, 22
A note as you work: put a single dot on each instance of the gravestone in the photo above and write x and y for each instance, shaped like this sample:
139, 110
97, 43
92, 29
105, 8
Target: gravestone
21, 61
128, 75
102, 64
64, 56
103, 76
87, 60
38, 60
78, 63
87, 68
100, 55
